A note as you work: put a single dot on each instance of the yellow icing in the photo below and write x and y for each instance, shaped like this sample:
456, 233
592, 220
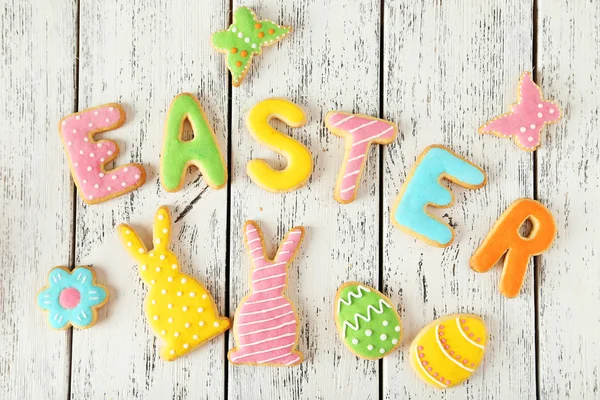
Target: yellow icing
449, 363
298, 156
179, 309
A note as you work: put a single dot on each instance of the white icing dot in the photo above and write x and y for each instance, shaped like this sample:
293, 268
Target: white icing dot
192, 294
155, 317
99, 144
144, 267
102, 159
90, 197
109, 152
397, 329
184, 308
382, 351
162, 257
76, 165
385, 323
171, 321
157, 241
532, 126
253, 45
354, 341
157, 269
92, 155
551, 111
114, 177
204, 296
200, 309
85, 181
81, 152
195, 337
383, 336
74, 130
201, 323
172, 352
179, 294
86, 140
170, 305
540, 115
368, 332
89, 168
170, 279
64, 123
153, 301
247, 40
394, 341
107, 120
240, 35
216, 324
90, 124
165, 230
95, 112
123, 184
110, 108
540, 105
141, 250
523, 129
530, 138
164, 291
96, 186
176, 334
151, 254
129, 244
70, 143
233, 29
125, 169
161, 217
109, 188
163, 332
137, 176
101, 175
77, 117
174, 266
187, 325
152, 282
370, 347
185, 345
183, 280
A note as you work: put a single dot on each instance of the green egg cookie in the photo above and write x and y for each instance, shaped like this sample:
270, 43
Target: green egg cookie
367, 322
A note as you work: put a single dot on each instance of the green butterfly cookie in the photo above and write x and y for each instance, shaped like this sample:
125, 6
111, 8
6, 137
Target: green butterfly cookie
245, 38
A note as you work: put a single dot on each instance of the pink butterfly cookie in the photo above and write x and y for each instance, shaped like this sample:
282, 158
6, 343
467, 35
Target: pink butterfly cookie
526, 118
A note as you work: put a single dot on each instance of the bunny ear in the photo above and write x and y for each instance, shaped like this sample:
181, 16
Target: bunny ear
162, 228
287, 248
131, 241
254, 241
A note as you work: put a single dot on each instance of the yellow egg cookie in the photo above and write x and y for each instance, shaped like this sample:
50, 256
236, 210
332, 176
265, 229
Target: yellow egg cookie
448, 350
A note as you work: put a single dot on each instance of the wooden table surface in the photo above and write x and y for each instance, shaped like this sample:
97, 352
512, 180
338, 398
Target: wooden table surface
439, 69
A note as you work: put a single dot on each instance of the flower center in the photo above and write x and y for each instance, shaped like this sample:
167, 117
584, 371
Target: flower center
69, 298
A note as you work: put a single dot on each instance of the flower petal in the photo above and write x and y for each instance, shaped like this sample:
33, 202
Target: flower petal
94, 296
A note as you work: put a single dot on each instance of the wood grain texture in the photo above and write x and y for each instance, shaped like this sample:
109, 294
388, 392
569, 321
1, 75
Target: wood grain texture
325, 64
37, 58
449, 67
142, 54
569, 171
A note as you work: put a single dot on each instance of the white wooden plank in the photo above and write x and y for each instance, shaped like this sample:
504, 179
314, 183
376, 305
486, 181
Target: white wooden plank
569, 171
330, 61
142, 55
450, 66
37, 55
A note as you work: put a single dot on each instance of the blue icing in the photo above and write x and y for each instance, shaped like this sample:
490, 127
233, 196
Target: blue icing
91, 295
424, 188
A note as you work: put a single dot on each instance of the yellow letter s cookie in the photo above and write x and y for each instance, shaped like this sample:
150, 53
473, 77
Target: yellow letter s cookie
298, 156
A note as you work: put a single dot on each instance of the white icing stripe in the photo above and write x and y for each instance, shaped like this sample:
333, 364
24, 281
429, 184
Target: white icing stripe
295, 233
266, 320
268, 290
254, 240
269, 277
271, 266
264, 311
351, 294
293, 361
274, 358
368, 318
251, 230
269, 339
262, 301
84, 279
465, 335
347, 189
437, 338
256, 249
356, 158
269, 329
362, 126
341, 121
373, 137
259, 258
263, 351
356, 171
283, 252
427, 372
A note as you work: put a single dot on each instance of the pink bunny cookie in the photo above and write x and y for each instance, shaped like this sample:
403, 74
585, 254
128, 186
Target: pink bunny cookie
88, 157
266, 324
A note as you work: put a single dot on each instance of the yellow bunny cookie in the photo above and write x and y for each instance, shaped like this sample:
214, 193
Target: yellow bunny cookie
179, 308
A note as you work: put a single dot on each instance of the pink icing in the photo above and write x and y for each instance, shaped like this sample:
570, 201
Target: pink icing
361, 132
69, 298
527, 117
266, 326
88, 157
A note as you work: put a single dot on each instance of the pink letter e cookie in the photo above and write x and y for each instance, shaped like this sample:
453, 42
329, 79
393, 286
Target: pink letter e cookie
88, 157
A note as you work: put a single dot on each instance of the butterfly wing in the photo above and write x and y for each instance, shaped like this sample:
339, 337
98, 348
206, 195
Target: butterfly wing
270, 32
245, 20
511, 124
223, 40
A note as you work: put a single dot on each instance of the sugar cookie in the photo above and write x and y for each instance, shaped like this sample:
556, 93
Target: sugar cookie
448, 350
423, 187
265, 326
526, 118
202, 151
299, 159
367, 322
360, 131
179, 309
504, 238
88, 157
245, 38
72, 298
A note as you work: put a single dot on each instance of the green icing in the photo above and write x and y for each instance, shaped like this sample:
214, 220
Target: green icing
244, 36
368, 306
202, 151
